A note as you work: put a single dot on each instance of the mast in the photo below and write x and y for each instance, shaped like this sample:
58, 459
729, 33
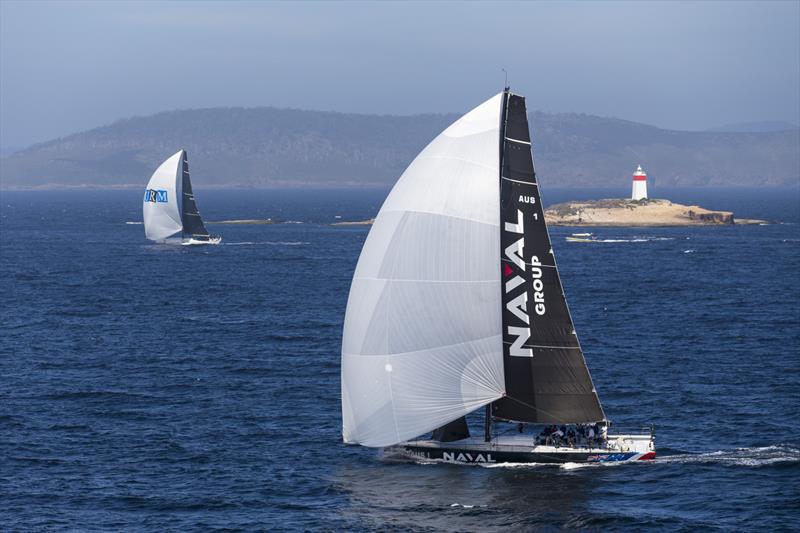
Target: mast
487, 424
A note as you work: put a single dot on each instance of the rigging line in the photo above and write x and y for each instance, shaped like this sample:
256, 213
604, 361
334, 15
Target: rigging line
518, 141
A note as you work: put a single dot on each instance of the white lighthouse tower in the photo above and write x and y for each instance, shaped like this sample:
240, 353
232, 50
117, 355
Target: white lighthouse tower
639, 191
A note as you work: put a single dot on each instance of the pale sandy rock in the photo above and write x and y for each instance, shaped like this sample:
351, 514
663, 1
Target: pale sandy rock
625, 212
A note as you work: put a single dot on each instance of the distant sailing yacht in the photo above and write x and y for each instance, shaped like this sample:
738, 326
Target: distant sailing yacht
169, 206
456, 304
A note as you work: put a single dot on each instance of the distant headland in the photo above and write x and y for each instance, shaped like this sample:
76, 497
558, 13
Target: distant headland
289, 148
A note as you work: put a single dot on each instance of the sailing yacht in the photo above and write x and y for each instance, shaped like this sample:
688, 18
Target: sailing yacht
169, 207
456, 305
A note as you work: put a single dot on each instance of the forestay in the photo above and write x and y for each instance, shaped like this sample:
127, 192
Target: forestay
422, 341
161, 208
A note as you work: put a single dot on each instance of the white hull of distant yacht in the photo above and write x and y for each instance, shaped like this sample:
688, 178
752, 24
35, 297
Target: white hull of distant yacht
214, 239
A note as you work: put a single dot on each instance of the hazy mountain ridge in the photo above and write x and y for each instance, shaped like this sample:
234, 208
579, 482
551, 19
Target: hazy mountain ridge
284, 147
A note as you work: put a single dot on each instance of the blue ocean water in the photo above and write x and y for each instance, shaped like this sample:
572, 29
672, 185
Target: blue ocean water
158, 388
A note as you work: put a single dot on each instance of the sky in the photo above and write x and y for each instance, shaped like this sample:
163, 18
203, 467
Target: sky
71, 66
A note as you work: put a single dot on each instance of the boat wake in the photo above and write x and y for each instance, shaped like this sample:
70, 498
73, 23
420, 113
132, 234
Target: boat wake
467, 506
133, 223
641, 239
267, 243
762, 456
632, 239
749, 457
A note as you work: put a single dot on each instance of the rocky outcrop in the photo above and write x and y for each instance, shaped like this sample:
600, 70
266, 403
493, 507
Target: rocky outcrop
624, 212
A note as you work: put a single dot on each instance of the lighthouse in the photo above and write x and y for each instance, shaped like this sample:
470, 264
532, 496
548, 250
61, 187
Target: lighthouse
639, 191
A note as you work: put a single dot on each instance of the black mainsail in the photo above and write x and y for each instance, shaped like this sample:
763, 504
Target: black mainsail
192, 223
546, 377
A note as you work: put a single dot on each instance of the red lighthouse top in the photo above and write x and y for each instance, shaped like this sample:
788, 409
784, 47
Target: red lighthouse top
639, 175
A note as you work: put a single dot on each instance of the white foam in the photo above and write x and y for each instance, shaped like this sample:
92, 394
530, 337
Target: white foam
514, 465
267, 243
133, 223
575, 466
635, 239
749, 457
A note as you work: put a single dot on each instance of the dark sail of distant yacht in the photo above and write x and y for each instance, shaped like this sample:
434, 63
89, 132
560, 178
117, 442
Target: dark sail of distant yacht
169, 206
456, 304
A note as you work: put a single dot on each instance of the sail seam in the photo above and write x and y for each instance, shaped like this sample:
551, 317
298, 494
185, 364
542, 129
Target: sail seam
472, 341
470, 161
490, 224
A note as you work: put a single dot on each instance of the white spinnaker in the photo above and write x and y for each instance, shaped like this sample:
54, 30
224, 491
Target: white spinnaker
163, 219
422, 342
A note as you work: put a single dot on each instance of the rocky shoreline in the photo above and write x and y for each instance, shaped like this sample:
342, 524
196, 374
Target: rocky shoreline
641, 213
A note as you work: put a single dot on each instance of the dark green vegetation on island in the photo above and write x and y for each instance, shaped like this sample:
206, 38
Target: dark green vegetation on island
268, 147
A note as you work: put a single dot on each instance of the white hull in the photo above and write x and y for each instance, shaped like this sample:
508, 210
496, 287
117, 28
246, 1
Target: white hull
523, 449
192, 242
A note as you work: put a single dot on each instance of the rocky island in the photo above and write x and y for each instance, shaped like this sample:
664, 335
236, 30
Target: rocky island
623, 212
644, 212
